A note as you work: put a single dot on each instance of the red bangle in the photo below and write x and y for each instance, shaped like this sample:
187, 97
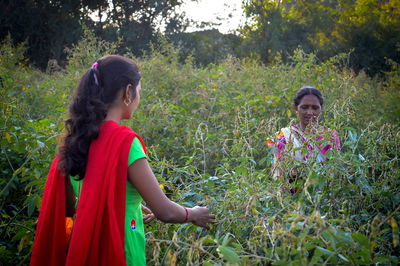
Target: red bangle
187, 215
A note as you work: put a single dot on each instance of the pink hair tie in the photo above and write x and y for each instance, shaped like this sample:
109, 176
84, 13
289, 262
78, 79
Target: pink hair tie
94, 66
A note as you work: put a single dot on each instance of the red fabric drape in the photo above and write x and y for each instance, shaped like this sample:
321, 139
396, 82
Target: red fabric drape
98, 233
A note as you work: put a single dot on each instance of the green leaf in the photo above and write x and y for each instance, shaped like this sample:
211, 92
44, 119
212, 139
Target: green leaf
241, 171
381, 259
343, 258
228, 254
280, 262
41, 144
225, 242
31, 206
361, 239
325, 251
20, 234
329, 237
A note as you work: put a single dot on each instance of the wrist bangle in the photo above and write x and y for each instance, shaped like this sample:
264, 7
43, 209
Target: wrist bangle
187, 215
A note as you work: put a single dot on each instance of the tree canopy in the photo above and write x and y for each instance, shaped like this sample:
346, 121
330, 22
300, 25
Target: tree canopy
369, 28
50, 26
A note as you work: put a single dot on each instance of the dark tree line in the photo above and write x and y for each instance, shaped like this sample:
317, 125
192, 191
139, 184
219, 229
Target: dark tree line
50, 26
369, 29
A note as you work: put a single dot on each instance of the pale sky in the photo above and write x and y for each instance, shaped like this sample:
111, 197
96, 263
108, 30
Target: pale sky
229, 11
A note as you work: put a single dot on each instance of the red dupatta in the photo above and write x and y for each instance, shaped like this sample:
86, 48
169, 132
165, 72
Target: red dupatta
98, 234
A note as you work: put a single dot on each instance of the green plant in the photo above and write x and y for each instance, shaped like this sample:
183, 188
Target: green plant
206, 130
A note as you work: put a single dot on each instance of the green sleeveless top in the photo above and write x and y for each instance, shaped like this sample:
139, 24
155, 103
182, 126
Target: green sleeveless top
135, 241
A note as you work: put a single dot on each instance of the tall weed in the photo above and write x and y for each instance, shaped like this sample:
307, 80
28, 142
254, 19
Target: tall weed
206, 129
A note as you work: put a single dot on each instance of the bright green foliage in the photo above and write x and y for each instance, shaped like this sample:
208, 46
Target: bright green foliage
368, 28
206, 130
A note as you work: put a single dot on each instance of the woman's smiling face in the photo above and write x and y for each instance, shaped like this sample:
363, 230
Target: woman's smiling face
308, 110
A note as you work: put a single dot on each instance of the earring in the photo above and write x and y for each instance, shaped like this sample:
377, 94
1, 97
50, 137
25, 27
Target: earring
127, 103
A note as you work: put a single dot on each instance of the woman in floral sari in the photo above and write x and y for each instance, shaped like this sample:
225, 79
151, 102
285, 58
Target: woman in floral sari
304, 141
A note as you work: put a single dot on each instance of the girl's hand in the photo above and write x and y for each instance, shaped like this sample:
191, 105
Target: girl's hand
149, 215
201, 217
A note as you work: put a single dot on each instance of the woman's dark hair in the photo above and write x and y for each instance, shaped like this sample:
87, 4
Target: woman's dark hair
95, 93
308, 90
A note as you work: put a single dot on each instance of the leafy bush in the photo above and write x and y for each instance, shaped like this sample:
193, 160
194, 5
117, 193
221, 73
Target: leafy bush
206, 130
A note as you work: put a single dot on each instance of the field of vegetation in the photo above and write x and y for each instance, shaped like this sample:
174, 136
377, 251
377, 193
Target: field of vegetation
206, 129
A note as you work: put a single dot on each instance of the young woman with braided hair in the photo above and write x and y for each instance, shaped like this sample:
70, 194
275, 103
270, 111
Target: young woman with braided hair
100, 177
